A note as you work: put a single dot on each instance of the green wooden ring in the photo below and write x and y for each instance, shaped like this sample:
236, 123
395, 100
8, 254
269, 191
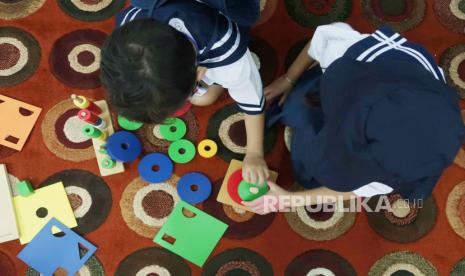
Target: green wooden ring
91, 131
186, 146
127, 124
173, 129
108, 163
245, 193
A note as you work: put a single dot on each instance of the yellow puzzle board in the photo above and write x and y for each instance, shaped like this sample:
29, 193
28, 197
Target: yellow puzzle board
54, 199
16, 122
8, 226
223, 195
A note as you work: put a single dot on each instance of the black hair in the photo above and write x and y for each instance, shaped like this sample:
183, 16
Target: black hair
148, 69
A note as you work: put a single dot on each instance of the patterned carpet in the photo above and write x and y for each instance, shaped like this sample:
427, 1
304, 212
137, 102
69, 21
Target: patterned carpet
50, 49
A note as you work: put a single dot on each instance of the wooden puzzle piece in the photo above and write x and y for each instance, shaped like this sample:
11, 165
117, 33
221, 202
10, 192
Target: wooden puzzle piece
34, 211
191, 233
233, 199
105, 170
47, 252
16, 122
8, 225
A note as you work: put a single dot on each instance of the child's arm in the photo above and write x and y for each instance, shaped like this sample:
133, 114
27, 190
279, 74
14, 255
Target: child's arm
283, 85
278, 199
254, 168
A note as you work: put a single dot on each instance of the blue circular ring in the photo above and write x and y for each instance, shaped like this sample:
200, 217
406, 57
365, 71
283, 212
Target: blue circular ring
124, 146
204, 187
156, 159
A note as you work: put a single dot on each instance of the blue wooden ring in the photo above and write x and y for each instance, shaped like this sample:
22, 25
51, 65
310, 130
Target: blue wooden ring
164, 164
124, 146
198, 180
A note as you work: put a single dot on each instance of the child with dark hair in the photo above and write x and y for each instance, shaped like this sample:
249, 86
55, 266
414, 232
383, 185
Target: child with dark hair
153, 62
381, 118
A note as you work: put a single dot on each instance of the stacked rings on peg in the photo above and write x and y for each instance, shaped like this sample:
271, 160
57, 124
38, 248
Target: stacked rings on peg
207, 148
181, 151
124, 146
173, 129
156, 168
194, 187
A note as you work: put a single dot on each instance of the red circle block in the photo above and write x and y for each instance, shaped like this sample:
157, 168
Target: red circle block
233, 184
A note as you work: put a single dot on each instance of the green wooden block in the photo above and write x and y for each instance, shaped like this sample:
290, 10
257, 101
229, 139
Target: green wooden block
25, 188
190, 233
249, 191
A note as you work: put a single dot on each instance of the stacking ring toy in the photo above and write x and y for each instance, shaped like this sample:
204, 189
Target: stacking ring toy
233, 185
123, 146
155, 168
249, 191
127, 124
108, 163
181, 151
207, 148
173, 129
194, 187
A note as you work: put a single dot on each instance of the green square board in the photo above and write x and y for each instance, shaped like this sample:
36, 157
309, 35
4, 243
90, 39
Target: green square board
192, 238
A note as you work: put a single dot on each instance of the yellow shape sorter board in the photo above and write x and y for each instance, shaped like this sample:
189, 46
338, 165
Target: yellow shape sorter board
223, 195
34, 211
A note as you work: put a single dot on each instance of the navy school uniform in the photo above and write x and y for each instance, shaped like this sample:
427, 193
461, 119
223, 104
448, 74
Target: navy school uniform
386, 116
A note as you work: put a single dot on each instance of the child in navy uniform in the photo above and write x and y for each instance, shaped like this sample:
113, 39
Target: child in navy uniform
376, 116
161, 50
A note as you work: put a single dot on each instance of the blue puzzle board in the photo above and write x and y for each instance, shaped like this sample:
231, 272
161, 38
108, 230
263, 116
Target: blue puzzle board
47, 252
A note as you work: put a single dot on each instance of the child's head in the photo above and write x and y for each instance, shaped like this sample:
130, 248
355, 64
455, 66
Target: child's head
148, 69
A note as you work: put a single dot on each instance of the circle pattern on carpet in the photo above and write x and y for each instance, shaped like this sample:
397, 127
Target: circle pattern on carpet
319, 262
91, 10
312, 13
145, 207
293, 52
451, 14
227, 128
288, 133
314, 223
89, 195
242, 224
7, 267
93, 267
238, 261
15, 9
408, 222
61, 132
453, 64
402, 263
267, 9
75, 58
455, 209
265, 58
19, 55
400, 15
153, 141
153, 261
458, 269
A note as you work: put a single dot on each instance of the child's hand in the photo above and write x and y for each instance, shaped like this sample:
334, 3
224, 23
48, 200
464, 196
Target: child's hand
270, 202
281, 86
254, 169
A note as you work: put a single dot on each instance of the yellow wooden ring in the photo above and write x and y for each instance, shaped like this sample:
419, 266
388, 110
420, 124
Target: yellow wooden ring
207, 148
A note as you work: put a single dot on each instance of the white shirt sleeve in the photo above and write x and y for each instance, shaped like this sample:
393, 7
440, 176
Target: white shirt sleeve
330, 42
243, 82
372, 189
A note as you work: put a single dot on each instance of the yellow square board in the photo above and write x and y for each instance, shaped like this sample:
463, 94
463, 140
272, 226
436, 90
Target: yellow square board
223, 195
50, 201
8, 226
